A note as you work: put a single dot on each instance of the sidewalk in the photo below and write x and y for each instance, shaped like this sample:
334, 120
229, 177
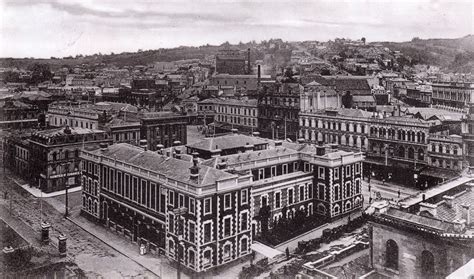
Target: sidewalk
158, 265
34, 191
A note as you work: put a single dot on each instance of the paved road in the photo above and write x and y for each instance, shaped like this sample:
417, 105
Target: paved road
95, 258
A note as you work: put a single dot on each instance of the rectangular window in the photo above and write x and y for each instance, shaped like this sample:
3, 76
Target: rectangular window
285, 168
135, 189
348, 171
306, 167
162, 203
171, 223
207, 232
181, 200
153, 195
290, 196
277, 200
274, 170
192, 207
143, 193
192, 232
301, 193
244, 196
127, 186
261, 174
321, 191
357, 168
321, 172
336, 173
119, 183
227, 201
207, 206
171, 197
244, 221
227, 227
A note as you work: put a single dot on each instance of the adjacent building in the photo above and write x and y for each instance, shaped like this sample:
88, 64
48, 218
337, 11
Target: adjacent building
453, 94
233, 62
54, 156
163, 128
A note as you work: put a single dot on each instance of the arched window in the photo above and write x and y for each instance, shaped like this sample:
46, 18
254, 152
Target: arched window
243, 245
191, 258
421, 154
411, 153
427, 264
401, 152
391, 254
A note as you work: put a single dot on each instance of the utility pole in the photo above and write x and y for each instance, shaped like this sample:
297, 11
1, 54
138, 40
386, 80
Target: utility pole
66, 213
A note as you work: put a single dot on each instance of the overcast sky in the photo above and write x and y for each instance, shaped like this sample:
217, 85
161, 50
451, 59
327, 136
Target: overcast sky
44, 28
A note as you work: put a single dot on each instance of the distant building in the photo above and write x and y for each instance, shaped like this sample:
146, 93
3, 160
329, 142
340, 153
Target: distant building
233, 62
468, 137
236, 114
453, 94
74, 116
278, 110
54, 155
16, 114
163, 128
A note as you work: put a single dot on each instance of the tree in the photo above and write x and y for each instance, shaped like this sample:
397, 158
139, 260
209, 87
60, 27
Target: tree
40, 72
263, 216
363, 40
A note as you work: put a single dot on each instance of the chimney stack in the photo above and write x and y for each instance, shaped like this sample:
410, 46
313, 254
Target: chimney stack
194, 170
320, 149
466, 213
248, 147
177, 153
103, 146
159, 148
234, 131
144, 144
259, 74
278, 143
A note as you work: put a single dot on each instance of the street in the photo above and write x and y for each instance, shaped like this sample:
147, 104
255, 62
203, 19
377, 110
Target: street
92, 256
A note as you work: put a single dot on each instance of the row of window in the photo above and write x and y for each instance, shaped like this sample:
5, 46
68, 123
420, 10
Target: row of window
339, 126
237, 110
237, 120
304, 192
74, 123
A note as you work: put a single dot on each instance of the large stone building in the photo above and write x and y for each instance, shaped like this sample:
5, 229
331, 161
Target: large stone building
74, 116
233, 62
278, 110
453, 94
349, 128
236, 114
54, 155
197, 213
205, 211
426, 236
163, 128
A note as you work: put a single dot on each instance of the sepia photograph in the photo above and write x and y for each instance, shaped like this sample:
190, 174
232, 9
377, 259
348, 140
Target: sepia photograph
237, 139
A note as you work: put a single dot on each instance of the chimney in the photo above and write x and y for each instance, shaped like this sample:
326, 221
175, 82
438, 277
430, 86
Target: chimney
222, 164
259, 74
248, 147
320, 149
103, 146
194, 170
177, 153
255, 134
144, 144
176, 143
159, 148
466, 213
234, 131
278, 143
248, 61
300, 140
448, 200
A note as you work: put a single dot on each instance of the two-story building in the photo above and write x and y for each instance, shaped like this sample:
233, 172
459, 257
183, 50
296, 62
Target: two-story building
194, 213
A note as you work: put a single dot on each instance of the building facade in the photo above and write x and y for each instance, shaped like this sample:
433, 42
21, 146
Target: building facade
163, 128
198, 214
236, 114
233, 62
74, 116
453, 94
468, 137
54, 156
278, 110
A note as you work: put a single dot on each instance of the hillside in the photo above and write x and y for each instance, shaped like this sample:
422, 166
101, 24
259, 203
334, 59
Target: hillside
452, 55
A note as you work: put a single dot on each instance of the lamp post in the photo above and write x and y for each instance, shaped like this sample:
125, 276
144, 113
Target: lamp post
66, 213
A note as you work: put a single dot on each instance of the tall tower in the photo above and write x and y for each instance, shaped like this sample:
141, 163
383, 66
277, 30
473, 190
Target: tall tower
468, 137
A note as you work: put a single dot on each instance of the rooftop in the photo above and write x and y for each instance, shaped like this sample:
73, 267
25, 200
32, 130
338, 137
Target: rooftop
172, 168
226, 142
59, 132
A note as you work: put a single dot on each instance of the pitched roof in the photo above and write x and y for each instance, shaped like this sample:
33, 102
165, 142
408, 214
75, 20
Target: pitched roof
172, 168
226, 142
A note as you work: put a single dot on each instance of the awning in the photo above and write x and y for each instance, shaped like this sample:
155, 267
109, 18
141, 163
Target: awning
265, 250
